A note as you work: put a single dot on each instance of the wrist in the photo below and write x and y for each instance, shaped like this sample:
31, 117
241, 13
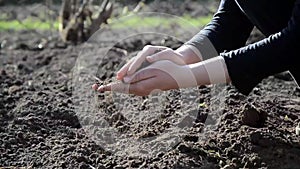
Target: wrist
189, 54
182, 74
211, 71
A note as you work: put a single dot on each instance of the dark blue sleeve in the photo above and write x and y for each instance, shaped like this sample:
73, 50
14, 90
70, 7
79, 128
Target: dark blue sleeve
247, 66
229, 29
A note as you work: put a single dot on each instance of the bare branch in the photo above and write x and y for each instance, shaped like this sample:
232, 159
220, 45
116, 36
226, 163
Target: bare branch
105, 13
73, 17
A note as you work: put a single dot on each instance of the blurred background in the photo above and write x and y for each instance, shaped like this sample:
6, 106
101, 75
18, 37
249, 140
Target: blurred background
73, 21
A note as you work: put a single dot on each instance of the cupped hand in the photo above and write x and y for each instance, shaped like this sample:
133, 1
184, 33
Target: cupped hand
150, 54
159, 76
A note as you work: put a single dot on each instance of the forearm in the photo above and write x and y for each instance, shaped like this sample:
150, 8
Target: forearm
211, 71
228, 30
198, 49
247, 66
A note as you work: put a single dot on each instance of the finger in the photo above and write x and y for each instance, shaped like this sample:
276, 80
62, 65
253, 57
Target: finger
145, 87
148, 50
104, 88
167, 54
122, 72
138, 61
115, 86
95, 86
140, 75
142, 88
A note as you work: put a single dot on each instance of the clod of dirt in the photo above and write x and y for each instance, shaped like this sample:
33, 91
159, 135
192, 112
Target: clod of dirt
202, 116
253, 116
13, 89
192, 138
184, 148
261, 139
255, 137
2, 72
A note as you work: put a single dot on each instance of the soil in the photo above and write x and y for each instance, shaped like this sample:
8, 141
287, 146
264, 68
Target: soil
41, 125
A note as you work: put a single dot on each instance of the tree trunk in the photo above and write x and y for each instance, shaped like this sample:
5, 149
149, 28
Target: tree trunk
73, 17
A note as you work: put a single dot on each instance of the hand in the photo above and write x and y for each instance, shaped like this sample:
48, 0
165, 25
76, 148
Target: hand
181, 56
159, 76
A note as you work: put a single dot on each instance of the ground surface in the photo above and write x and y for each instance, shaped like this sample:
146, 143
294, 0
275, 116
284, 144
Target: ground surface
40, 125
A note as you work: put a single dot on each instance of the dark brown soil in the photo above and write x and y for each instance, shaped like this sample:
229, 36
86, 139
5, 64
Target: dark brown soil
40, 126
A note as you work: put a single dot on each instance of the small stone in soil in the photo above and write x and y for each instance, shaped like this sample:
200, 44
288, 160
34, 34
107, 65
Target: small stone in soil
253, 117
13, 89
183, 148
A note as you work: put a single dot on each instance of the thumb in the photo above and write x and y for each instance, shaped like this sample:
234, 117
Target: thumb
141, 75
167, 54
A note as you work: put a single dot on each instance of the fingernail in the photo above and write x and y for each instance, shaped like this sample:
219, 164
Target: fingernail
149, 59
118, 76
94, 86
126, 79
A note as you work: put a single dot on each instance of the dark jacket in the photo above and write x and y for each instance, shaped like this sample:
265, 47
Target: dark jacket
230, 27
